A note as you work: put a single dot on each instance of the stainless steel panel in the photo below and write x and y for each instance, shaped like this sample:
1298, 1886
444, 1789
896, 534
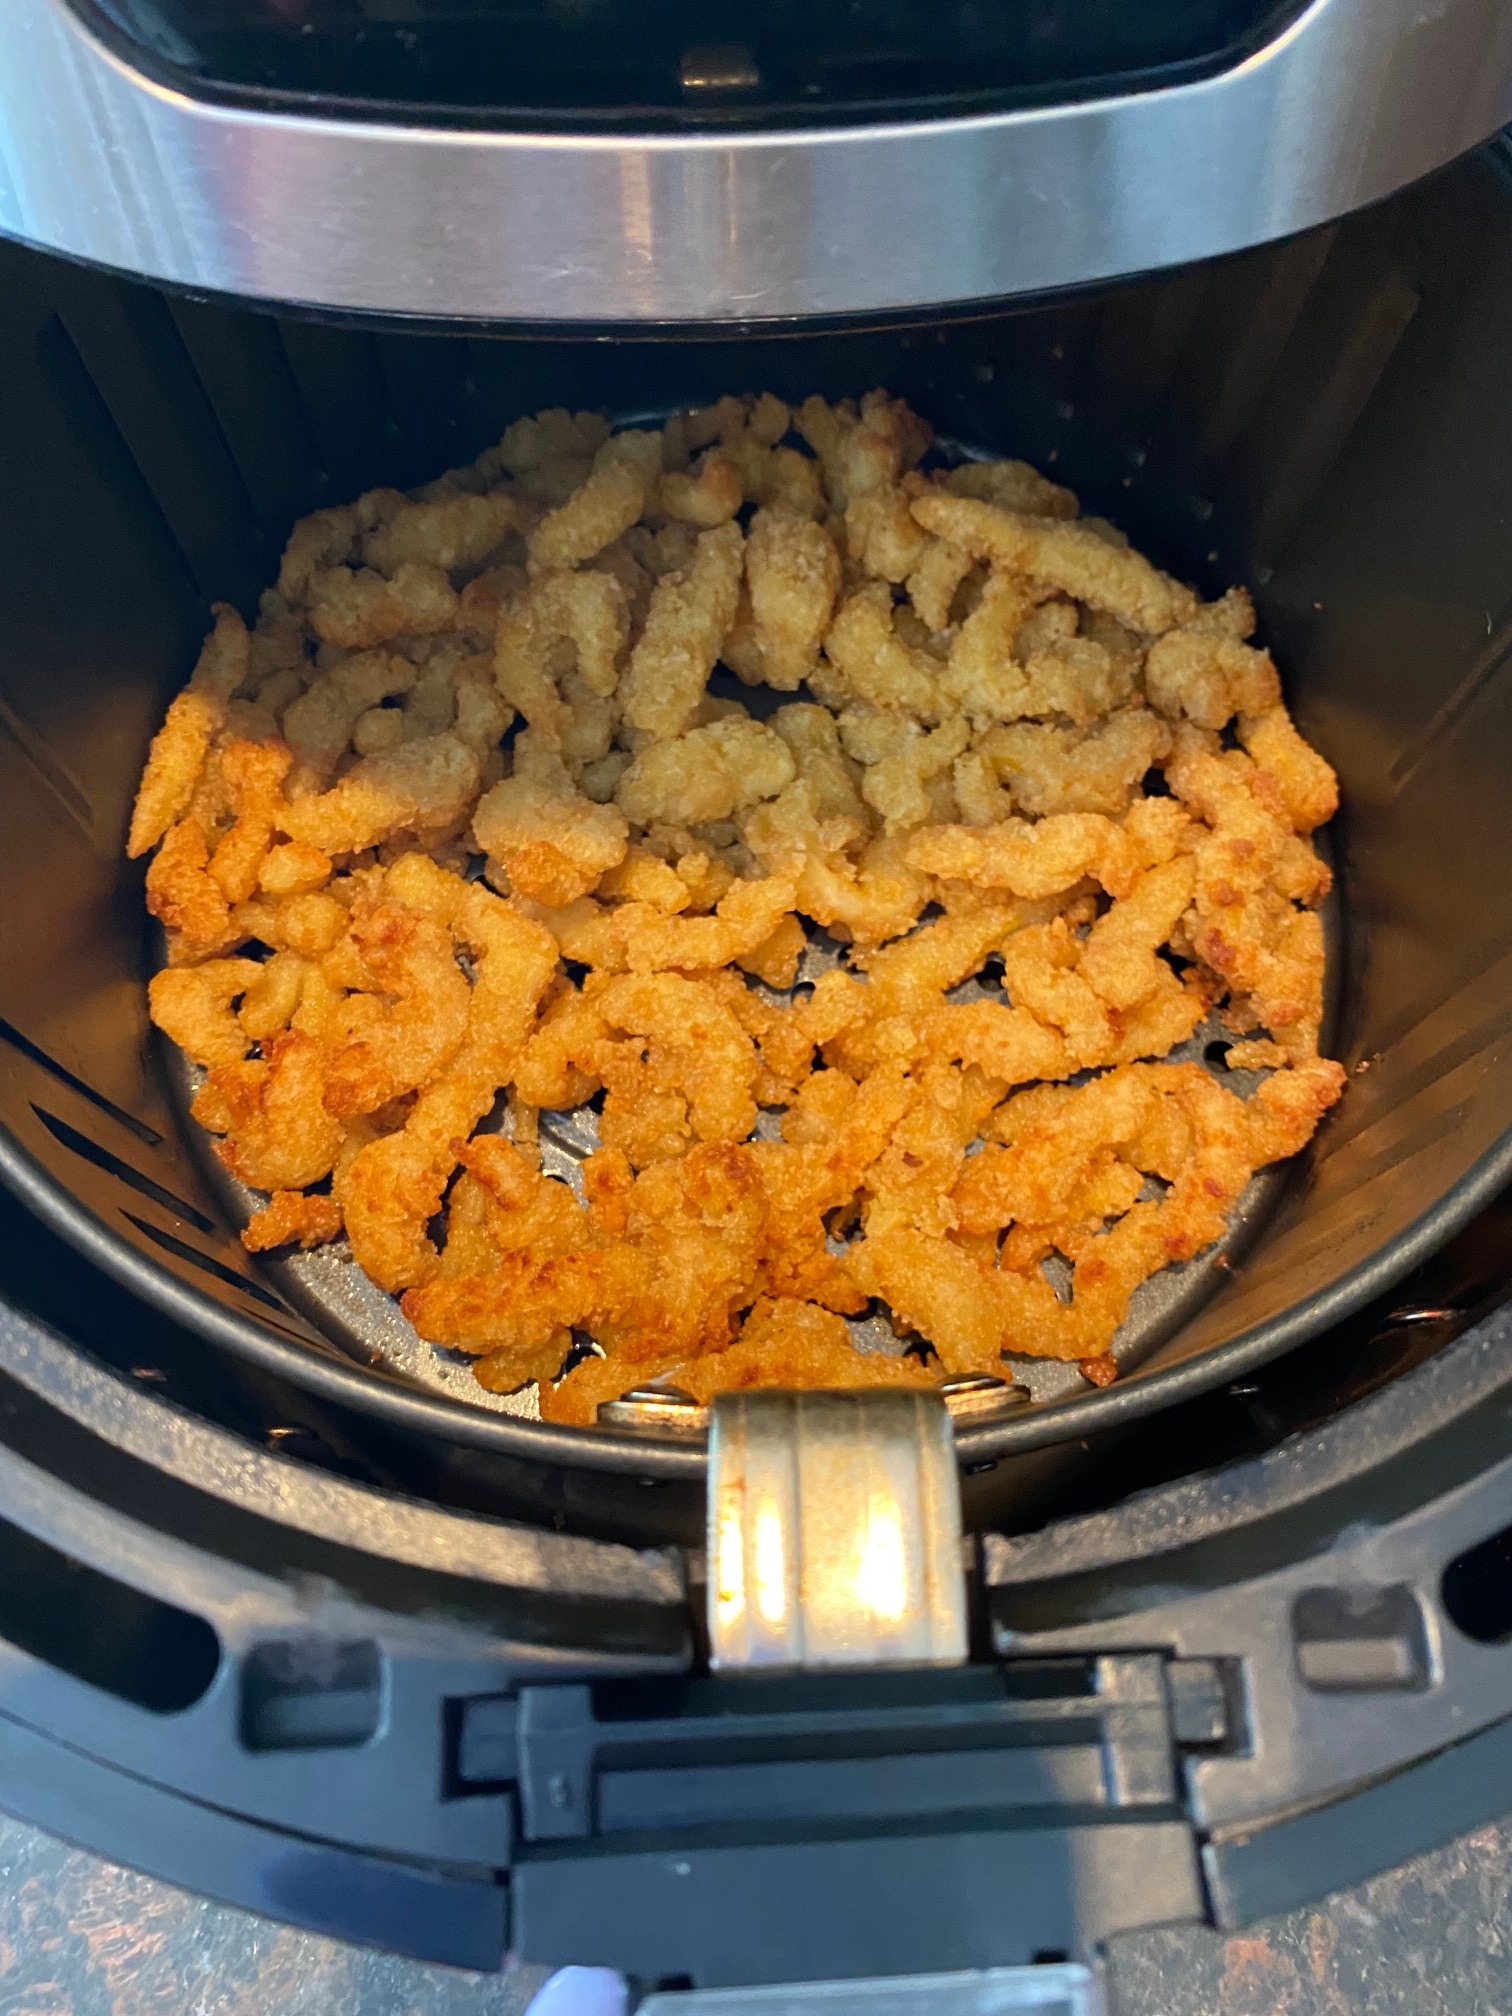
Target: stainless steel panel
1353, 100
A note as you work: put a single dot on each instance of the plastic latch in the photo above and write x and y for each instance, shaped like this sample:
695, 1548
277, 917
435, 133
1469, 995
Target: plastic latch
834, 1532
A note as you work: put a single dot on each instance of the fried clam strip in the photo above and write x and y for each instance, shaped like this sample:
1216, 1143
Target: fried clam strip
194, 1008
1251, 871
792, 572
689, 618
192, 884
176, 759
408, 1012
833, 1135
543, 838
290, 1218
1048, 856
1070, 557
973, 1312
744, 919
561, 623
669, 1289
394, 1185
794, 1345
425, 788
693, 1049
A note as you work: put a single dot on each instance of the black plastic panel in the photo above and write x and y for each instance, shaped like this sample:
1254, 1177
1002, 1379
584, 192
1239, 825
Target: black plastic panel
590, 61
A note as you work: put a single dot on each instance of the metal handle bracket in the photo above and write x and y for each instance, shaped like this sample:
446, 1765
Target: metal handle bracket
834, 1532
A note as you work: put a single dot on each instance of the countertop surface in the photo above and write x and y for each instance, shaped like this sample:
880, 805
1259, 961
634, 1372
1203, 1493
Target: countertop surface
81, 1937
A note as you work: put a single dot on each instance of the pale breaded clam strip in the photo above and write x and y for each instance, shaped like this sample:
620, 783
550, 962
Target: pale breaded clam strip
690, 614
360, 609
446, 532
1065, 556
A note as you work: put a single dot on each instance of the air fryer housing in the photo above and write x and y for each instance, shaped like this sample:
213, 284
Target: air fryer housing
283, 1630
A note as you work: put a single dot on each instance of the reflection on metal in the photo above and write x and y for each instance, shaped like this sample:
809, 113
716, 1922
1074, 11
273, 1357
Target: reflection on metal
667, 1410
715, 68
664, 1410
834, 1531
1059, 1990
979, 1396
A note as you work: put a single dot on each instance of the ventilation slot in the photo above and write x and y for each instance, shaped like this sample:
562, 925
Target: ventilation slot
1477, 1590
90, 1151
65, 1077
311, 1694
204, 1262
100, 1630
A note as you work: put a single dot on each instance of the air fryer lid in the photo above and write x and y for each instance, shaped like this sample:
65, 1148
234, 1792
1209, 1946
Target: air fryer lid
1320, 421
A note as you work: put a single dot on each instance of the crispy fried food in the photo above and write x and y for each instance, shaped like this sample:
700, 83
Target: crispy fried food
425, 788
872, 663
1016, 486
393, 1188
293, 1218
999, 787
319, 725
1068, 557
447, 532
690, 615
593, 517
1049, 770
176, 760
192, 1005
1205, 676
360, 609
705, 775
793, 576
544, 837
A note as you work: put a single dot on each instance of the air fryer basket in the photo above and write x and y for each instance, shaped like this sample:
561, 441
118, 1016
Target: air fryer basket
1325, 420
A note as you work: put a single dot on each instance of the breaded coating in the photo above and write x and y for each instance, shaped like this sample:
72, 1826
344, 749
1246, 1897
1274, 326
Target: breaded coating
936, 576
422, 788
193, 1006
875, 665
1049, 770
1068, 557
793, 577
174, 763
592, 518
291, 1218
1207, 677
691, 612
707, 495
1016, 486
549, 841
866, 994
1308, 787
707, 774
319, 725
361, 609
451, 532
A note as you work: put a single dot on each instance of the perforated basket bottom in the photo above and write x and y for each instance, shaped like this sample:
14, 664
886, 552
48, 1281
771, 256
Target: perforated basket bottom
331, 1290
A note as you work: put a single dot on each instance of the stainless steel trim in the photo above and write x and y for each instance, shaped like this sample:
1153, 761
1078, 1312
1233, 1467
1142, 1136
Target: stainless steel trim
1355, 99
834, 1532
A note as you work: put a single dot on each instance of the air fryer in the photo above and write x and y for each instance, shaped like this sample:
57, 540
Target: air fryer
423, 1670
